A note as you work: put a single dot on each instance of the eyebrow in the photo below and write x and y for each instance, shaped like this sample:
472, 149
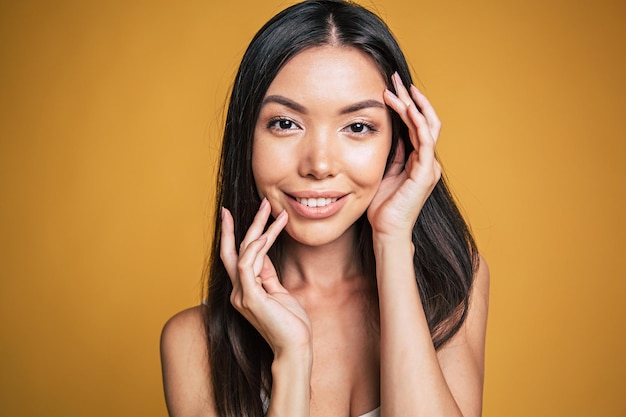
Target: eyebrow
285, 102
365, 104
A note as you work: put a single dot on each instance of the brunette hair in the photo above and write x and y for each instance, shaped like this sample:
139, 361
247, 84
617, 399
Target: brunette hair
445, 254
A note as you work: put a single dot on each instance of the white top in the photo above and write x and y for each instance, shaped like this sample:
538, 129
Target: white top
373, 413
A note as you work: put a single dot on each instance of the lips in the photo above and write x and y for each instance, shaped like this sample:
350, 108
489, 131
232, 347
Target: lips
316, 205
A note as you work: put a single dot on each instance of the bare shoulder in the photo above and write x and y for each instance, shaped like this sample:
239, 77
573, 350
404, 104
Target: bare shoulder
182, 328
184, 361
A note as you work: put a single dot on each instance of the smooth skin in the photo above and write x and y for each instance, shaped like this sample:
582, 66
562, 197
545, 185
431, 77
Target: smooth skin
325, 131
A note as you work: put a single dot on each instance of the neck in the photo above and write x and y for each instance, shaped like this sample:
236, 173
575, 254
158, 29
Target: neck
321, 268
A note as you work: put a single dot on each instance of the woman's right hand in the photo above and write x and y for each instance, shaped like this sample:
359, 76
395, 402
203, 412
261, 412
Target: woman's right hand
257, 292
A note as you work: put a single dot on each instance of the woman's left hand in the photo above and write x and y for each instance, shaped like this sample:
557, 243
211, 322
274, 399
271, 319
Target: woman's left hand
406, 186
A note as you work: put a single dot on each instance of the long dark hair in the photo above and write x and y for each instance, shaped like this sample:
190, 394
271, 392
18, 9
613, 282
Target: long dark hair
445, 253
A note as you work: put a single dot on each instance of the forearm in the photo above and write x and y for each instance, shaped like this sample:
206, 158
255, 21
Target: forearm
412, 382
291, 386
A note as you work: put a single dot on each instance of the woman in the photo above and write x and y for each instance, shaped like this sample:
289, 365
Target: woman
343, 280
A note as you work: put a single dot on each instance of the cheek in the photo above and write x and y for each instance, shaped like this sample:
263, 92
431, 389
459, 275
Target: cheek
369, 164
266, 166
260, 169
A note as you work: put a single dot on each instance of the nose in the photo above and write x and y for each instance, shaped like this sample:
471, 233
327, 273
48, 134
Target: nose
318, 155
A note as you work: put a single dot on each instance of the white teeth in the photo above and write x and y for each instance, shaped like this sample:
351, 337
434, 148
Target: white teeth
315, 202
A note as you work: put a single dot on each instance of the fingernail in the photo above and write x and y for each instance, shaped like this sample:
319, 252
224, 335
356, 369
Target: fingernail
263, 202
222, 212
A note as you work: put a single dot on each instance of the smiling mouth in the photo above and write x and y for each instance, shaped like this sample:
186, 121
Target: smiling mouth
315, 202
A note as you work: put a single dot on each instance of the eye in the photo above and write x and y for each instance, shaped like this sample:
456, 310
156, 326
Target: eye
282, 124
360, 128
357, 127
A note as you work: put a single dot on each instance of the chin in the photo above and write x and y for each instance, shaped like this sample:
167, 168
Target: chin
320, 236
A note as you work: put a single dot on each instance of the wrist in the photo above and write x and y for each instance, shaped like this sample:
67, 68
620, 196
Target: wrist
396, 240
394, 258
291, 383
293, 361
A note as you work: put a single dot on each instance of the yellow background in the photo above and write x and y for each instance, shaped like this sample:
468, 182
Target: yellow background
108, 120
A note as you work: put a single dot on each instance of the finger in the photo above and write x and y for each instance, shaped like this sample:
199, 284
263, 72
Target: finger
421, 134
248, 267
401, 91
258, 224
422, 161
401, 108
228, 251
275, 228
268, 238
419, 131
428, 111
270, 282
271, 235
415, 112
426, 148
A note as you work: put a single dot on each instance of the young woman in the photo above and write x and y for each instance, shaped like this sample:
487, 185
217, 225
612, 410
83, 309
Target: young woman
343, 280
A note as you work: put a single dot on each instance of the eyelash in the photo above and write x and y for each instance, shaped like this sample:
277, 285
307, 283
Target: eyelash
370, 128
274, 124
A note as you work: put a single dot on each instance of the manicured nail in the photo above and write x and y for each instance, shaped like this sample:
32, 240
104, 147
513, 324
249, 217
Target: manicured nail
263, 203
397, 78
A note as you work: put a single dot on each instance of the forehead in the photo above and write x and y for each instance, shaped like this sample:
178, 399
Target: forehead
343, 73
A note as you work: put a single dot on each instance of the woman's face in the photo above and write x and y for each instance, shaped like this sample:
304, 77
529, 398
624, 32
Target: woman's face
321, 141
